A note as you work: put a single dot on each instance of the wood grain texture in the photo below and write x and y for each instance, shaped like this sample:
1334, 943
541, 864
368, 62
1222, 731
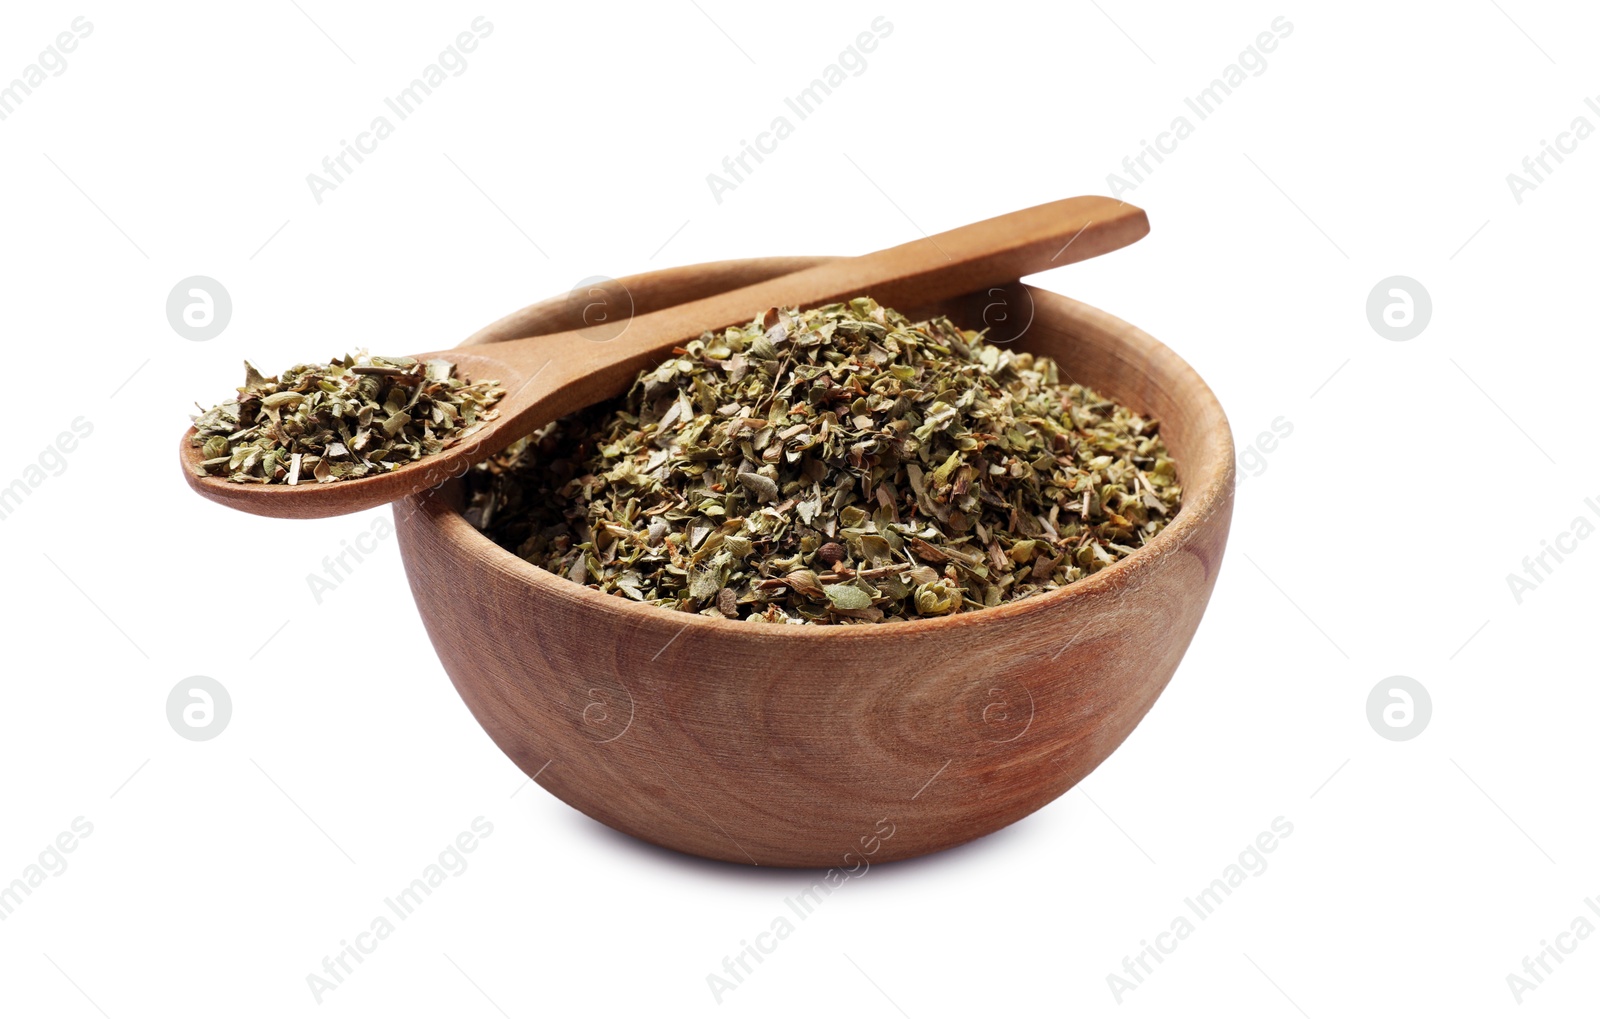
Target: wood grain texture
801, 746
547, 376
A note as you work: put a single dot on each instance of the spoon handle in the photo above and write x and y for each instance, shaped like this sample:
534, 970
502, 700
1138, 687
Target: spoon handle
971, 257
935, 268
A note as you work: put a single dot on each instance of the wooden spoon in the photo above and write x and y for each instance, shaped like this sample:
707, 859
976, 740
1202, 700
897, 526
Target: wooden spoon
548, 376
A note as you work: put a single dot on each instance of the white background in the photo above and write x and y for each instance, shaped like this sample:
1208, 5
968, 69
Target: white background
1376, 541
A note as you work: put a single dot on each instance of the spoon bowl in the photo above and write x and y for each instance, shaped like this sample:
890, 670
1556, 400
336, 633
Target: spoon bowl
310, 499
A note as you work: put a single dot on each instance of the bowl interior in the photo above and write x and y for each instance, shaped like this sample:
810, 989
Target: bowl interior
1091, 347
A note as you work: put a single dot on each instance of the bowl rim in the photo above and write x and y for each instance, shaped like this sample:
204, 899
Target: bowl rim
439, 507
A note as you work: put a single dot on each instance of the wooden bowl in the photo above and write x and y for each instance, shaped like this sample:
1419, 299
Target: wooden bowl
829, 746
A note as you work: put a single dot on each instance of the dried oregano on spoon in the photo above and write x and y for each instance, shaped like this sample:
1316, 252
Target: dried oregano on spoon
840, 465
345, 419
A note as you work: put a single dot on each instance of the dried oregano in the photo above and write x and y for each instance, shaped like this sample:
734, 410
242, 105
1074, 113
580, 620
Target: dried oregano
344, 419
840, 465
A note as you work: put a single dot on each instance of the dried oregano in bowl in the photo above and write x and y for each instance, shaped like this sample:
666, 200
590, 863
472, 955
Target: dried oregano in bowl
838, 465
